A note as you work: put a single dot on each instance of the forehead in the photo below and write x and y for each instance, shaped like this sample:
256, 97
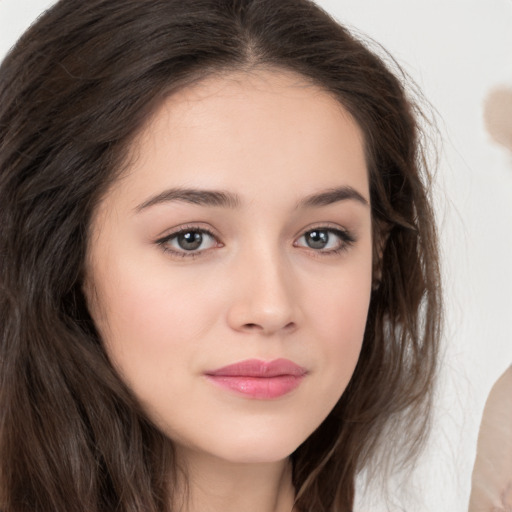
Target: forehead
237, 130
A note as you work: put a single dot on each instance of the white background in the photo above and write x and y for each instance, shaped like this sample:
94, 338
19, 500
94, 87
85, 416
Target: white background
457, 51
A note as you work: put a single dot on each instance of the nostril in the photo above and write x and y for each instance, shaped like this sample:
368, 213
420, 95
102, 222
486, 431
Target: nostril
257, 327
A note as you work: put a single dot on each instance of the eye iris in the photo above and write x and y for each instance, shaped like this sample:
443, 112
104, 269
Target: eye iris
190, 240
317, 239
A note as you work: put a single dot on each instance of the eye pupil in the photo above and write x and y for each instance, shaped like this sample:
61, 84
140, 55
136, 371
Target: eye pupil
190, 240
317, 239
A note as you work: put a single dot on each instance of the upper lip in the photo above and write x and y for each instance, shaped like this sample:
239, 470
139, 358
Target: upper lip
259, 368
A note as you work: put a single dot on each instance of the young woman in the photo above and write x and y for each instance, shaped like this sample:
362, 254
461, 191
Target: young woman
219, 274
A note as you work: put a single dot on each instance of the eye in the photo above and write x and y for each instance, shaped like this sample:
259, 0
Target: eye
326, 240
188, 241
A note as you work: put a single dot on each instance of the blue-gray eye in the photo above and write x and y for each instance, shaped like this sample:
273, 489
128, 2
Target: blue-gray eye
189, 240
317, 239
324, 239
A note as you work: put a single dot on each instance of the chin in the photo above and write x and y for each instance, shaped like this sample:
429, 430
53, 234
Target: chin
250, 446
255, 454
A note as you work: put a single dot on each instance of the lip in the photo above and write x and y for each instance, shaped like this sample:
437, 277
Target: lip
258, 379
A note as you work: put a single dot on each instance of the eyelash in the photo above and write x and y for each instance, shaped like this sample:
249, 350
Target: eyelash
164, 241
346, 241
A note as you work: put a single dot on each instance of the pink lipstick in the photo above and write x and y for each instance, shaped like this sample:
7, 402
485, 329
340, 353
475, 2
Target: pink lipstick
259, 379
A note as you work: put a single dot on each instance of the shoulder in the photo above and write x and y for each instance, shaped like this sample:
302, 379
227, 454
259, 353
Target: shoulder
492, 473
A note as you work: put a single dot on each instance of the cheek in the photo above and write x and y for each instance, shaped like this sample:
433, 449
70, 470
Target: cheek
144, 316
339, 298
338, 316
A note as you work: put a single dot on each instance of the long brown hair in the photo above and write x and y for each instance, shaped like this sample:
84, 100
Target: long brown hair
74, 91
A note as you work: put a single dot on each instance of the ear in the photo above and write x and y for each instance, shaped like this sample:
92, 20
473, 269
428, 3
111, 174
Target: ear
498, 115
381, 232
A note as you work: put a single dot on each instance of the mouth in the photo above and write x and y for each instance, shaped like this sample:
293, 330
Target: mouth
263, 380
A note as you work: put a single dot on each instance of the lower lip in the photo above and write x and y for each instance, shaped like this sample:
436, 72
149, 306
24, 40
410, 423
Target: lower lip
262, 388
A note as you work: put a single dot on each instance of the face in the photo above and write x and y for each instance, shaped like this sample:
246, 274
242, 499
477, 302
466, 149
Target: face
229, 269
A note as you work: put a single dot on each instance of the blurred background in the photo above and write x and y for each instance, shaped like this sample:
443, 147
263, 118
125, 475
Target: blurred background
456, 51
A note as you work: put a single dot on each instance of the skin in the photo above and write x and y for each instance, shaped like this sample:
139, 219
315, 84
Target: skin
255, 288
491, 487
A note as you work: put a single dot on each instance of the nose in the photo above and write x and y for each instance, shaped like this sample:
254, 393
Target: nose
265, 298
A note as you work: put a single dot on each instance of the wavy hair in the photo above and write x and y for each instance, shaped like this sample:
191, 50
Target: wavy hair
74, 92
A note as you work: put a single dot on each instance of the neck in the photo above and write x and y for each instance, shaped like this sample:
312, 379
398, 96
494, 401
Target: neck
215, 485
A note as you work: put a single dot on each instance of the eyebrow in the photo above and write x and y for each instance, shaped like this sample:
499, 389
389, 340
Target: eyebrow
331, 196
194, 196
224, 199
